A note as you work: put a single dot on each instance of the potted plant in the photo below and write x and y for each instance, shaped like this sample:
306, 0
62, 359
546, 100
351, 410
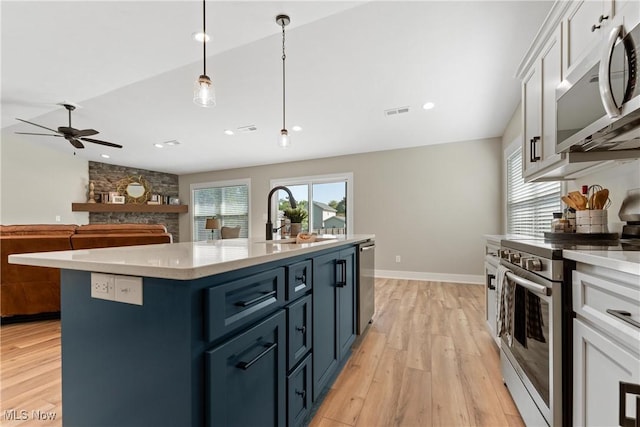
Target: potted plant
296, 216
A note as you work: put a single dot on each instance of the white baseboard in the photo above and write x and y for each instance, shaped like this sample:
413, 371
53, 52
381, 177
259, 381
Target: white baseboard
432, 277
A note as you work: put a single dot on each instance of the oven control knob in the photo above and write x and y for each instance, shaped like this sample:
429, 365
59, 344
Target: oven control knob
533, 264
514, 258
504, 253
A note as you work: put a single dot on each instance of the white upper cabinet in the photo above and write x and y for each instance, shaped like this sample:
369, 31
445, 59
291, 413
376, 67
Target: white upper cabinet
586, 23
539, 107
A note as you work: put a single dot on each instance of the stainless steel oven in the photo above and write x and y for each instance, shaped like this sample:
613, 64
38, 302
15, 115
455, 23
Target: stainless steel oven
533, 334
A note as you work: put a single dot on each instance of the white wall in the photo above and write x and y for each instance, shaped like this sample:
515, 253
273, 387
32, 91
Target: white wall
38, 183
430, 205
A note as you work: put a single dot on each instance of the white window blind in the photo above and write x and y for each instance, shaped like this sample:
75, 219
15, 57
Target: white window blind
230, 204
530, 206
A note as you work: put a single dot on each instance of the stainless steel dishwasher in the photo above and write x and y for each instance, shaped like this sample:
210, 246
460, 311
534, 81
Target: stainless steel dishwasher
366, 284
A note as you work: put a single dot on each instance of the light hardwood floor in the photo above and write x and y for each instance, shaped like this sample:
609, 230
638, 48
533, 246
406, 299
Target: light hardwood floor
427, 360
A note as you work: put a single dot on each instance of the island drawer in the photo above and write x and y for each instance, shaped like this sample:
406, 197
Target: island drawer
299, 330
299, 279
299, 393
238, 303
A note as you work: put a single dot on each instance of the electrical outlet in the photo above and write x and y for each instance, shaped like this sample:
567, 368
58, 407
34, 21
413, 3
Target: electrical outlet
103, 286
57, 218
397, 258
128, 289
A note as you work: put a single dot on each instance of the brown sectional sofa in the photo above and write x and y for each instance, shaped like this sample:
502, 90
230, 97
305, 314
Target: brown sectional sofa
26, 290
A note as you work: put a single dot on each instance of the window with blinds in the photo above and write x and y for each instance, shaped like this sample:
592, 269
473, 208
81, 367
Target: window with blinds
228, 203
530, 206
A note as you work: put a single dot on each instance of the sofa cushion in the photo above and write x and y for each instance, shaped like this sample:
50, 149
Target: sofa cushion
38, 230
104, 240
121, 229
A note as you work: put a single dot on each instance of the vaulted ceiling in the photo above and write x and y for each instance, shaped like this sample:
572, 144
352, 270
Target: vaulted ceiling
131, 66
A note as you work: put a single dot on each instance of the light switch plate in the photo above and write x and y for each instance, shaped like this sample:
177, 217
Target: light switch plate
128, 289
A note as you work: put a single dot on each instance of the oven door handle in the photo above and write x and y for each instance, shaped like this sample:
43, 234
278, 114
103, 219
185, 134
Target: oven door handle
528, 284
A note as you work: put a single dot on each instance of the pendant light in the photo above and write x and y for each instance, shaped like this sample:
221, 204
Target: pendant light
284, 141
203, 91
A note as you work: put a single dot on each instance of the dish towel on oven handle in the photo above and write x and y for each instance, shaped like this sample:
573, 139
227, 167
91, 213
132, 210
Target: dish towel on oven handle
505, 306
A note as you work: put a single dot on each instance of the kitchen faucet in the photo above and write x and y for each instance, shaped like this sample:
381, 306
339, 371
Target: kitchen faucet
292, 202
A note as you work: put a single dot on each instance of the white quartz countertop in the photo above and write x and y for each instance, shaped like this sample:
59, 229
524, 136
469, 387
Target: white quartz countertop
625, 261
182, 261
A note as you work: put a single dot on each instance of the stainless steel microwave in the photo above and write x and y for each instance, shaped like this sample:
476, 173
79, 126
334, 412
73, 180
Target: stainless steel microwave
598, 103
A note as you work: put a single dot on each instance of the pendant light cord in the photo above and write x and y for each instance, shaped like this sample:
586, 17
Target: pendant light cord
284, 56
204, 37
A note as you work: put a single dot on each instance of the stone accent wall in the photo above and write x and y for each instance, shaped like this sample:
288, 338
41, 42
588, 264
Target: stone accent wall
105, 178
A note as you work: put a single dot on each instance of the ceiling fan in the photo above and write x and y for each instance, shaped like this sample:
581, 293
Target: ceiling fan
74, 136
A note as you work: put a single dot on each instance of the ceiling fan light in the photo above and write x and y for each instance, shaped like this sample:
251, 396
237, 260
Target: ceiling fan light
284, 141
203, 92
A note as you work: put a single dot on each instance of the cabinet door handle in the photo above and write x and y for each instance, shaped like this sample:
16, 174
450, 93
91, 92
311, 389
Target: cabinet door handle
532, 149
247, 365
256, 300
343, 273
302, 393
302, 329
625, 316
302, 278
491, 278
600, 19
628, 388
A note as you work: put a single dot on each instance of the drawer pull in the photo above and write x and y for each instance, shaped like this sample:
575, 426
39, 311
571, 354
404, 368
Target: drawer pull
247, 365
343, 273
628, 388
256, 300
625, 316
302, 278
302, 329
302, 393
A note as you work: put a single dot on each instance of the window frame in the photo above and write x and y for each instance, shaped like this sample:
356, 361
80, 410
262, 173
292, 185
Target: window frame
510, 150
318, 179
219, 184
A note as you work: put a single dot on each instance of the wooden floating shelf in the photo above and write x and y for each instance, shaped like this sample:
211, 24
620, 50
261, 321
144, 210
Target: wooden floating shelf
128, 207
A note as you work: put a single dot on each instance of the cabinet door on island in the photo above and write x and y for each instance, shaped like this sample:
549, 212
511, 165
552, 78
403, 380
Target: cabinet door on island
246, 378
334, 316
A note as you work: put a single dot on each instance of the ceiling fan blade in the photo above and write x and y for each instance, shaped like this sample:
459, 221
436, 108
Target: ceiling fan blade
86, 132
43, 134
75, 143
97, 141
40, 126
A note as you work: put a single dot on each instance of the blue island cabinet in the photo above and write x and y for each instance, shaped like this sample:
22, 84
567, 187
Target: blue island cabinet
233, 349
334, 314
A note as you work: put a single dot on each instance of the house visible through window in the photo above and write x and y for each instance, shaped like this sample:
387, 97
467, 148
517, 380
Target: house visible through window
227, 201
330, 209
530, 206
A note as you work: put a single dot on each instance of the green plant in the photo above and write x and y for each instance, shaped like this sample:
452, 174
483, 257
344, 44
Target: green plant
296, 215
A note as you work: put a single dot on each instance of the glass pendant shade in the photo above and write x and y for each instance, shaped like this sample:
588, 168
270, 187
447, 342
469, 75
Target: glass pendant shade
203, 92
284, 141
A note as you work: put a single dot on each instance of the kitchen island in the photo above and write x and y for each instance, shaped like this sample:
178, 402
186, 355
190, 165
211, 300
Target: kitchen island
226, 332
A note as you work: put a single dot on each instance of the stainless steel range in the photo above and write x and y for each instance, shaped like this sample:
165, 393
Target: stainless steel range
536, 336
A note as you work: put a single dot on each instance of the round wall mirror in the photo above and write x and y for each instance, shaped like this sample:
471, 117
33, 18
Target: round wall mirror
135, 189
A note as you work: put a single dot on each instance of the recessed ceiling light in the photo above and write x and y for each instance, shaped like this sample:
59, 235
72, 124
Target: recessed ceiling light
296, 128
158, 145
173, 142
428, 105
228, 132
199, 36
105, 156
